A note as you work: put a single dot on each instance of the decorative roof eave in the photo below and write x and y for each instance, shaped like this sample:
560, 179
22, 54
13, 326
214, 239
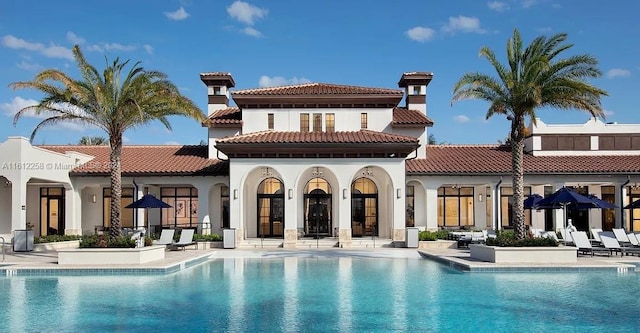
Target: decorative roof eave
317, 150
317, 101
219, 124
414, 125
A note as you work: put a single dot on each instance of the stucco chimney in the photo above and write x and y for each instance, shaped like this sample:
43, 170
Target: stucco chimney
218, 84
415, 87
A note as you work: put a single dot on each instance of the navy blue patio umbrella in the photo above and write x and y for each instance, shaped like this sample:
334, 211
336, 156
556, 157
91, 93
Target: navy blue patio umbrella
600, 203
633, 205
565, 197
148, 201
531, 201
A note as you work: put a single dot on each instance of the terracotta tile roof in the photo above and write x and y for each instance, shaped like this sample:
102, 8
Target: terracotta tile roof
362, 136
229, 117
318, 89
216, 78
148, 160
495, 159
213, 74
402, 117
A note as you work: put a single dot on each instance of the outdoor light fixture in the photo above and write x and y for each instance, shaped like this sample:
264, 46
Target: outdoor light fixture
480, 197
398, 193
290, 193
235, 193
94, 199
344, 193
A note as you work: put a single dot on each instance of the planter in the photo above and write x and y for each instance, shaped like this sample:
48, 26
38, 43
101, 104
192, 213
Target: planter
437, 244
529, 255
111, 256
55, 246
209, 245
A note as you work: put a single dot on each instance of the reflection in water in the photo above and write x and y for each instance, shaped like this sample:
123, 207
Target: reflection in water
320, 293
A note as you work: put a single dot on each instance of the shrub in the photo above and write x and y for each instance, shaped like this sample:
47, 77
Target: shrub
54, 238
98, 241
442, 234
427, 236
508, 238
207, 238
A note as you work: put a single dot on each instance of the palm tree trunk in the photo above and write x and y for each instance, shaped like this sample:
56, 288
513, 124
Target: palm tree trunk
115, 159
517, 152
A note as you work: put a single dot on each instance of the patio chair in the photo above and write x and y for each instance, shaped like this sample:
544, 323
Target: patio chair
609, 241
551, 234
622, 237
166, 237
633, 239
566, 236
583, 244
186, 239
595, 233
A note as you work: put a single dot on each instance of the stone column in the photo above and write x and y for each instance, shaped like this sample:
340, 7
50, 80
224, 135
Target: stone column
18, 203
73, 211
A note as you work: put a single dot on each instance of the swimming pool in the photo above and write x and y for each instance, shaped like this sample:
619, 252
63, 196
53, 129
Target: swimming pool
323, 294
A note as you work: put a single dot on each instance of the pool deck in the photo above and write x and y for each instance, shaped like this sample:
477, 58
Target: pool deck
42, 263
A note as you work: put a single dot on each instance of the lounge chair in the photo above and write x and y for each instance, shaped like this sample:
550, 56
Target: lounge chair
566, 236
633, 239
595, 233
166, 237
551, 234
583, 244
621, 236
186, 239
609, 241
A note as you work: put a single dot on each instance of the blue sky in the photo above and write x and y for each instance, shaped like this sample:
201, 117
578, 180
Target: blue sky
359, 42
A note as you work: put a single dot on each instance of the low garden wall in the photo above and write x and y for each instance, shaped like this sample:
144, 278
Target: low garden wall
495, 254
110, 256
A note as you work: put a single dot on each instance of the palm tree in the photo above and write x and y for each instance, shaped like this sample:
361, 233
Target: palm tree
93, 141
533, 78
109, 103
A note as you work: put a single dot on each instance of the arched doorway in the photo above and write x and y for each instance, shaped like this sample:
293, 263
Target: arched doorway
271, 208
364, 208
317, 208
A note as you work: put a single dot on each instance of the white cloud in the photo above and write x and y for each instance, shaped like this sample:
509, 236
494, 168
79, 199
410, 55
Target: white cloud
28, 66
51, 51
18, 103
251, 32
266, 81
617, 72
461, 118
544, 30
245, 12
529, 3
463, 24
421, 34
111, 47
607, 113
498, 6
75, 39
148, 48
178, 15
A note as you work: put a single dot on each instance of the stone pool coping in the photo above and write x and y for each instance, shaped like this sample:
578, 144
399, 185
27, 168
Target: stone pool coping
45, 263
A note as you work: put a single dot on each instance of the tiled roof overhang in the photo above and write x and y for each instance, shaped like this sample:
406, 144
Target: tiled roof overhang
496, 160
404, 118
317, 95
148, 161
230, 117
358, 144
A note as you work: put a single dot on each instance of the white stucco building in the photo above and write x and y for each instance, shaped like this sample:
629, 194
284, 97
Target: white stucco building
320, 160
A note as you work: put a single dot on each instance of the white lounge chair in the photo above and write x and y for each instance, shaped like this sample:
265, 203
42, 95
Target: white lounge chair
566, 236
609, 241
186, 239
581, 241
621, 236
551, 234
595, 233
166, 237
633, 239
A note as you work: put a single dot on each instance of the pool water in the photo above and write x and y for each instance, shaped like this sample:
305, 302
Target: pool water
323, 294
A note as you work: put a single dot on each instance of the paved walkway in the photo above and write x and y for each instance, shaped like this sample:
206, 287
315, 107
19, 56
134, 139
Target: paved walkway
455, 258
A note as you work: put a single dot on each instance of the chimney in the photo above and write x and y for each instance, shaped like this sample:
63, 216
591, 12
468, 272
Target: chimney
415, 87
218, 84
